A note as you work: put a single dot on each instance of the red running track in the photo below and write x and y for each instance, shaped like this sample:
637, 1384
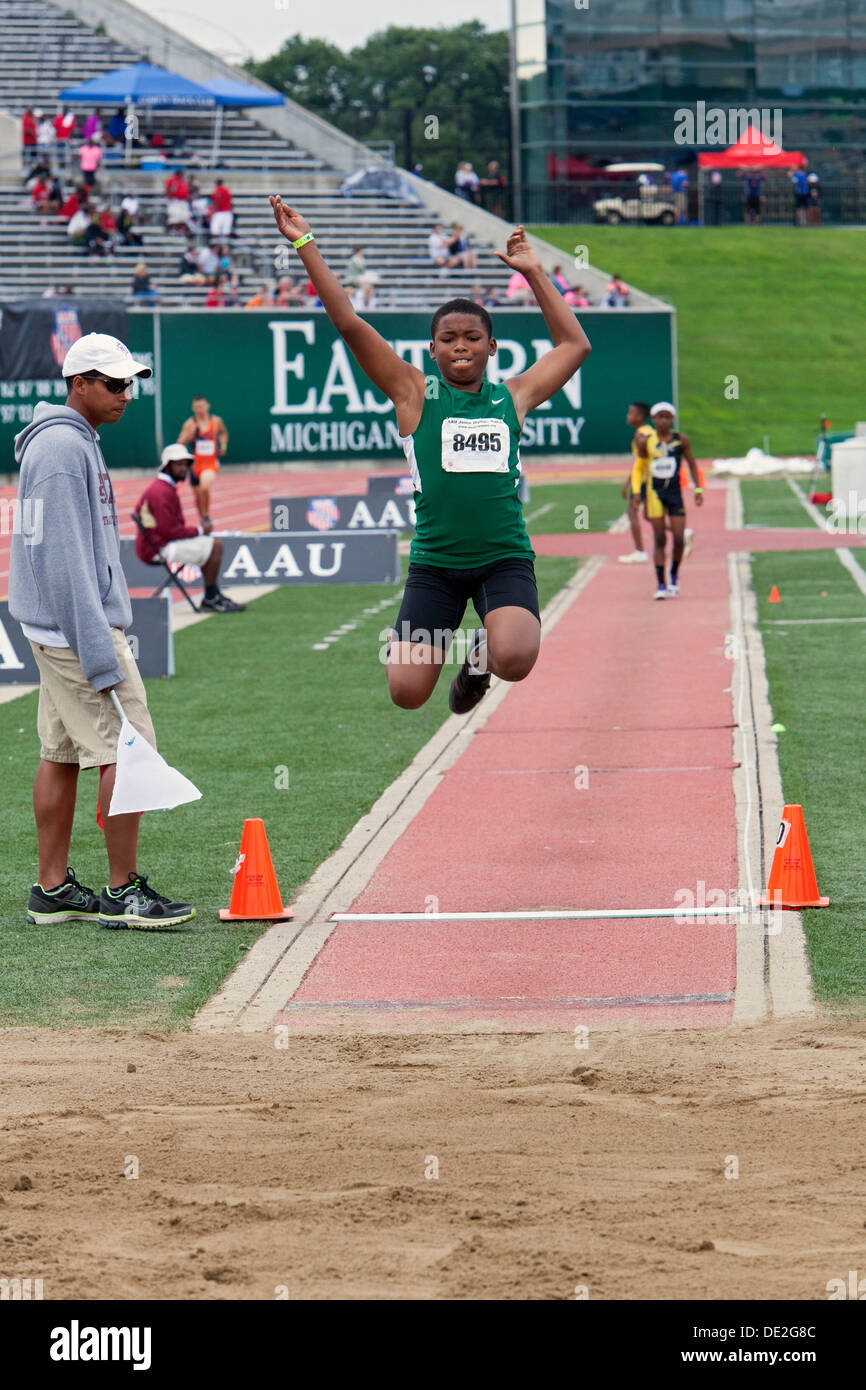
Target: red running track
637, 693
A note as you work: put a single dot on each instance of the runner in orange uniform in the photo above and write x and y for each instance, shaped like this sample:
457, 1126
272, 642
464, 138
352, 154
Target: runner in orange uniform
208, 437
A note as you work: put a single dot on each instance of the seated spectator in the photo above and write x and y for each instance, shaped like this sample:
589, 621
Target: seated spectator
39, 193
90, 158
157, 141
486, 297
560, 281
40, 172
225, 260
116, 133
310, 292
617, 294
208, 263
519, 290
437, 246
108, 221
166, 535
71, 206
459, 250
142, 286
127, 219
364, 297
578, 297
189, 270
44, 136
55, 196
355, 267
222, 217
288, 294
97, 242
262, 299
78, 224
177, 192
217, 295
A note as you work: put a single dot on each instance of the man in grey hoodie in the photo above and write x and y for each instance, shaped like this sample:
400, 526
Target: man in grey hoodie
68, 591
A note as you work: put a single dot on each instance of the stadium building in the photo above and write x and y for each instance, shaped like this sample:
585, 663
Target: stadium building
596, 83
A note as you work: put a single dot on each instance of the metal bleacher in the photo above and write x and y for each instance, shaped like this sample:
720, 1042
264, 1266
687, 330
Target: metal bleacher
36, 255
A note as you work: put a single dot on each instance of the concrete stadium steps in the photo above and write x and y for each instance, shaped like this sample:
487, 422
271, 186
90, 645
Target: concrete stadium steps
34, 252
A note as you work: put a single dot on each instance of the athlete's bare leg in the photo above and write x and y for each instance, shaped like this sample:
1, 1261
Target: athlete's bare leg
660, 539
513, 640
413, 669
634, 520
678, 531
202, 500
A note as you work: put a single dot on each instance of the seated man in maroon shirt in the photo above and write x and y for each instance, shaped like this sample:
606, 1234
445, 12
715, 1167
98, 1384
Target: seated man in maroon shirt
166, 534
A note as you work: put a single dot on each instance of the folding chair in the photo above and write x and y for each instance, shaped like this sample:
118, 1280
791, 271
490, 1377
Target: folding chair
170, 576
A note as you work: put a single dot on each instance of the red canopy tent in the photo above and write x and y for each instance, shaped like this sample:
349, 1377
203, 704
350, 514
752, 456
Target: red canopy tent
753, 151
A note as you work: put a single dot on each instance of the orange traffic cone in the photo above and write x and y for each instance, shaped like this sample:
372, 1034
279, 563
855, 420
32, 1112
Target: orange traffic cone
775, 596
255, 896
792, 875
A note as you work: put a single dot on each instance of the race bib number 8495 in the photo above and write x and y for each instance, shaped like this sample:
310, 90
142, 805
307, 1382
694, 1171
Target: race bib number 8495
475, 446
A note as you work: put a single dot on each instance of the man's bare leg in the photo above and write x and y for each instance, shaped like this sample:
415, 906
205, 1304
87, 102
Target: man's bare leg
121, 833
54, 792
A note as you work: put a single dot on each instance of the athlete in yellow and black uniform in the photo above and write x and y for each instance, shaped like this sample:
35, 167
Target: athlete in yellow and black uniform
664, 497
633, 488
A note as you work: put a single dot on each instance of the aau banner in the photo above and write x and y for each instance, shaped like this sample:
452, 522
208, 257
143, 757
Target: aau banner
36, 334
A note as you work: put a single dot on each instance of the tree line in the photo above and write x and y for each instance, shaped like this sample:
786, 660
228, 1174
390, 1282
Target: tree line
439, 95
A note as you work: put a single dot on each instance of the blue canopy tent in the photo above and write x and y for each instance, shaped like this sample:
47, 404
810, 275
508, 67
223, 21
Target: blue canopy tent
145, 84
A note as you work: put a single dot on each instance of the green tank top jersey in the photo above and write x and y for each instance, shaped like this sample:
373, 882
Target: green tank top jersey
465, 464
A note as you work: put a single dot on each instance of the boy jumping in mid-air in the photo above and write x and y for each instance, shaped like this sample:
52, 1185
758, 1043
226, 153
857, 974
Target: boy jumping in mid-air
460, 435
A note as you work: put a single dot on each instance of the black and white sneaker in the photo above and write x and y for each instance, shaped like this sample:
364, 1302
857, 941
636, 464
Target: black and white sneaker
138, 905
469, 686
222, 604
70, 902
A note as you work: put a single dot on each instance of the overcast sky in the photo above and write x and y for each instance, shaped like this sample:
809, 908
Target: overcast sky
233, 29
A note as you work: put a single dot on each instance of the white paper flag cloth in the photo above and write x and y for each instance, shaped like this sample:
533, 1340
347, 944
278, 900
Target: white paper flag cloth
144, 781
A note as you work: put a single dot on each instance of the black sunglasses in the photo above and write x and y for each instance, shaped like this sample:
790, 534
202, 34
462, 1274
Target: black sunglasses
111, 384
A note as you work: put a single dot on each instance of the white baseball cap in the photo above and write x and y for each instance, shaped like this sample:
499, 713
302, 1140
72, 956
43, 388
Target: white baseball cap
99, 352
173, 453
663, 405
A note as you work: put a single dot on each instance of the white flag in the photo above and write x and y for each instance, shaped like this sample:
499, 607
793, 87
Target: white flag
144, 781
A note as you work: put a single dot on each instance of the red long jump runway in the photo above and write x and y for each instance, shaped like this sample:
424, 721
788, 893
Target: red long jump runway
630, 697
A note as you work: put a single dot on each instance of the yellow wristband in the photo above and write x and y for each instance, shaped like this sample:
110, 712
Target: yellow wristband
302, 241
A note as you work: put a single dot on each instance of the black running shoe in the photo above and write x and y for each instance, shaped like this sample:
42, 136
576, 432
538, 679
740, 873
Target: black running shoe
468, 686
222, 604
138, 905
71, 902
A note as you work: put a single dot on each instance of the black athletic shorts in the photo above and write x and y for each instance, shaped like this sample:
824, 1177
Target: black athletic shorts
435, 599
671, 497
192, 476
753, 202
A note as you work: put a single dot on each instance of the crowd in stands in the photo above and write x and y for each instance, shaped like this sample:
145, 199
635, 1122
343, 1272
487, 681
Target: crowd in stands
81, 206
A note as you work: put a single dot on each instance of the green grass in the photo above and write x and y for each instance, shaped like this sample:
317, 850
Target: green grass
551, 509
778, 307
816, 675
251, 697
770, 502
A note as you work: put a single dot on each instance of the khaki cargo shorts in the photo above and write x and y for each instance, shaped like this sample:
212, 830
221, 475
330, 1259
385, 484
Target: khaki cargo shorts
77, 724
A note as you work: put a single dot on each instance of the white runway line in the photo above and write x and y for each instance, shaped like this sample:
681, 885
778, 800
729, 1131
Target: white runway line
539, 511
544, 914
337, 632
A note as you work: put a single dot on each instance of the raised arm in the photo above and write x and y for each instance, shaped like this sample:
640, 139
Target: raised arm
403, 383
571, 347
